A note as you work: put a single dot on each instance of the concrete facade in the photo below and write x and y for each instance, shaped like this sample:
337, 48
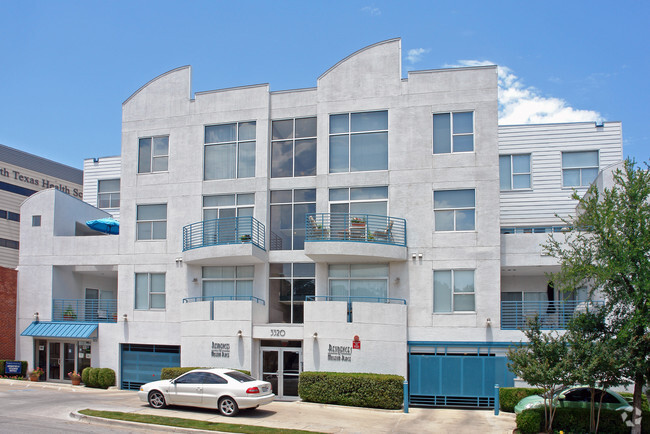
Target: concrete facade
394, 308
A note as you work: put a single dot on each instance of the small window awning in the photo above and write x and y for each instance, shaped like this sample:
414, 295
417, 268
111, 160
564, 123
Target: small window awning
55, 329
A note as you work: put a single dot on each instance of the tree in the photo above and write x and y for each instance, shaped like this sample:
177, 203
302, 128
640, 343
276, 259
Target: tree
594, 357
608, 247
542, 362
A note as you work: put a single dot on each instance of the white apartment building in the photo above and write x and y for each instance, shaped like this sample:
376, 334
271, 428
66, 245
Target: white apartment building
372, 223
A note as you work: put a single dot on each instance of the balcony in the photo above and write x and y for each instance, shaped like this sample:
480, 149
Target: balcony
553, 315
84, 310
226, 241
350, 301
347, 238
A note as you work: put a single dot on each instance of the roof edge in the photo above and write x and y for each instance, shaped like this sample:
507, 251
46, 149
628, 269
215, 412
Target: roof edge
180, 68
368, 47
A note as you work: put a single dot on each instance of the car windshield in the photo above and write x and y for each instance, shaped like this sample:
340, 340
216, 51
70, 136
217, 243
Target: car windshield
239, 376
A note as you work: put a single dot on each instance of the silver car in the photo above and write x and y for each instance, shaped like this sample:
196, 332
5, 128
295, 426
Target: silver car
223, 389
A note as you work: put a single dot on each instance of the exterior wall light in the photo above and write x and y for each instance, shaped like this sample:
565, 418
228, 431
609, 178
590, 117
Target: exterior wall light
124, 317
36, 316
488, 322
315, 335
240, 333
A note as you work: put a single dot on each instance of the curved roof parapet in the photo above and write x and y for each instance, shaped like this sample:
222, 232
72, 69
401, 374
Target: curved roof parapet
387, 41
188, 67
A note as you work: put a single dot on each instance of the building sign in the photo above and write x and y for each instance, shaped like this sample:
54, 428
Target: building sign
25, 180
13, 368
220, 350
356, 343
339, 353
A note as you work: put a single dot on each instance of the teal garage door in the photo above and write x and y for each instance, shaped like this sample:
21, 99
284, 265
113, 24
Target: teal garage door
142, 363
446, 376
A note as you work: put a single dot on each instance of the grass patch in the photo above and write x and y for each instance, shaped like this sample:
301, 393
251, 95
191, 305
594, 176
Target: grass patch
190, 423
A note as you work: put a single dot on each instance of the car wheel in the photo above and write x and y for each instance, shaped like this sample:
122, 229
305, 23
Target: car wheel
228, 406
157, 399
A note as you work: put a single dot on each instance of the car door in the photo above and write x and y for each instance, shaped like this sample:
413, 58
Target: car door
187, 389
579, 397
609, 401
214, 386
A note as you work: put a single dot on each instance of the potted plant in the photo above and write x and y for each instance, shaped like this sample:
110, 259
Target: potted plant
357, 221
35, 374
245, 238
75, 377
69, 314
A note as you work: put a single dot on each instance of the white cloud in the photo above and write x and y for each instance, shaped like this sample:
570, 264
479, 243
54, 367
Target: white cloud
414, 55
371, 10
521, 104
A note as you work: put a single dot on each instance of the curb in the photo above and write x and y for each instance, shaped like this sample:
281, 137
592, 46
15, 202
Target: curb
126, 423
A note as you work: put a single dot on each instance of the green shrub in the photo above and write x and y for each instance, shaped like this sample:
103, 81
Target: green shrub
105, 378
85, 374
510, 396
23, 368
530, 421
92, 377
170, 373
352, 389
629, 397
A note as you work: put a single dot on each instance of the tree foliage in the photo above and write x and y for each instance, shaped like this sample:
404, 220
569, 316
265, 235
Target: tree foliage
608, 247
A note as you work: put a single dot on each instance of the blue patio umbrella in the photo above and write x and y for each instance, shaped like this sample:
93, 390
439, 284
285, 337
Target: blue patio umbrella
106, 225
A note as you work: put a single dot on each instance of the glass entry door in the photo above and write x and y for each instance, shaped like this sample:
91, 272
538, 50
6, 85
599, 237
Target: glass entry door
54, 361
61, 360
281, 367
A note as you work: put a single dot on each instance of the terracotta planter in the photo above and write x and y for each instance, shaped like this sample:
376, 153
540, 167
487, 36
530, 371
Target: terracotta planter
33, 378
75, 381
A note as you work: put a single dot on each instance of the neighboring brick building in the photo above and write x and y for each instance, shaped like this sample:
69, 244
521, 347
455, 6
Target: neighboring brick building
8, 283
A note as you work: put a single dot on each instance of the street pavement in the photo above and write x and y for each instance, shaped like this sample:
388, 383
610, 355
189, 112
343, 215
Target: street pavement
58, 402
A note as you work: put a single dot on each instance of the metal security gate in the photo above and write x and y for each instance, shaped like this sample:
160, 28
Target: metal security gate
141, 364
456, 375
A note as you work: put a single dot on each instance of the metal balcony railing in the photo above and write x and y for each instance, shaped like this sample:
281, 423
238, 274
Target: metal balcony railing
224, 297
233, 230
363, 228
553, 315
84, 310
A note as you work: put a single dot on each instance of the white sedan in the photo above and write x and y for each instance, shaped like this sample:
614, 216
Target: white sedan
223, 389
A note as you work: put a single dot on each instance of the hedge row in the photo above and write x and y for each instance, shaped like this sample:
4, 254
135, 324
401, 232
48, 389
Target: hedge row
101, 378
170, 373
577, 420
352, 389
510, 396
23, 368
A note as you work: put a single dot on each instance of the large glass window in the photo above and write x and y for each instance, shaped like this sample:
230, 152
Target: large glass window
228, 282
453, 132
579, 169
293, 148
108, 193
514, 171
228, 205
149, 290
289, 284
368, 282
153, 154
288, 209
229, 151
453, 291
359, 142
152, 222
454, 210
359, 200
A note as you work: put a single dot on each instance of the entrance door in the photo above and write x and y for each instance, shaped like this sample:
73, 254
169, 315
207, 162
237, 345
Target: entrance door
54, 361
61, 360
281, 367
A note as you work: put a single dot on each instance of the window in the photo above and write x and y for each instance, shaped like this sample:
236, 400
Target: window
359, 200
359, 280
524, 296
288, 209
228, 206
9, 215
359, 142
289, 284
461, 298
228, 282
453, 132
579, 169
293, 148
229, 151
191, 378
153, 154
152, 222
514, 171
149, 290
108, 193
454, 210
10, 244
36, 220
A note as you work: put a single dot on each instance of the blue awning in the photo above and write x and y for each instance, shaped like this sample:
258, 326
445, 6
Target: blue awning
64, 329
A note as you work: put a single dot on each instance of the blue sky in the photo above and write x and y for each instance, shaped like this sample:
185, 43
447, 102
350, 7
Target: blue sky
67, 66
